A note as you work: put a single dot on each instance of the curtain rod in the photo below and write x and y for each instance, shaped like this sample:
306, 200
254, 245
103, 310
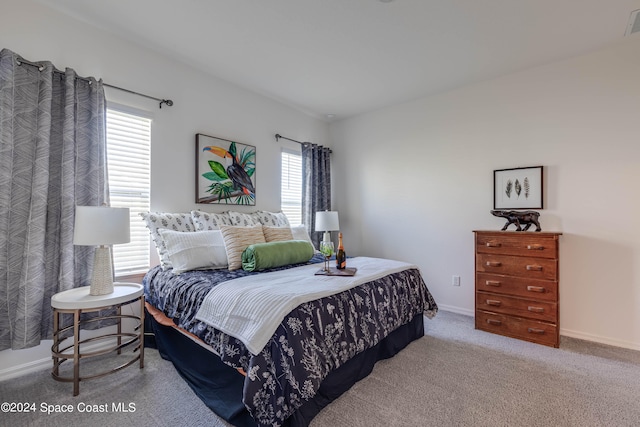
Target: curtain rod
162, 101
168, 102
278, 136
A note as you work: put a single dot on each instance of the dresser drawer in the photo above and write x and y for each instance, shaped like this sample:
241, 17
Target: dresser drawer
529, 330
531, 309
517, 286
534, 268
521, 244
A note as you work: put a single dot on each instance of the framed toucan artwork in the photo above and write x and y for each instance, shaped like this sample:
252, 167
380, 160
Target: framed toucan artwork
225, 171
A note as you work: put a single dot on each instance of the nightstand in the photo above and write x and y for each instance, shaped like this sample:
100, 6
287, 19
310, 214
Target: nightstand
67, 344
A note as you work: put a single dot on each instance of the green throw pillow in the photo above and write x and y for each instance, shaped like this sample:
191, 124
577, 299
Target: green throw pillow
261, 256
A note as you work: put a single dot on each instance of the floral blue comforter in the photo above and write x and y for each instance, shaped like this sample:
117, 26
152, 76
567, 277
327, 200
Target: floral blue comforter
314, 339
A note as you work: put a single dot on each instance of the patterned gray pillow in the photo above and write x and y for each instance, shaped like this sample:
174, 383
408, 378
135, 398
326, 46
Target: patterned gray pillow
205, 221
272, 219
170, 221
244, 220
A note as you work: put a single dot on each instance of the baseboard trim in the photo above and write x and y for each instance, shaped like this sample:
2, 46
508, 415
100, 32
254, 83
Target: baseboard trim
47, 362
26, 368
599, 339
457, 310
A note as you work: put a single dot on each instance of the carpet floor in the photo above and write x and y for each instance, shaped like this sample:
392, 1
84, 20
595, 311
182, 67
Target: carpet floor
454, 376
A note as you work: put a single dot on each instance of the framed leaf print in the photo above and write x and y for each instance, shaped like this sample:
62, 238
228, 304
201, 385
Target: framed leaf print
225, 171
518, 188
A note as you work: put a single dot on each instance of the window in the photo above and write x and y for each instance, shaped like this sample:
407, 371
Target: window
291, 186
128, 157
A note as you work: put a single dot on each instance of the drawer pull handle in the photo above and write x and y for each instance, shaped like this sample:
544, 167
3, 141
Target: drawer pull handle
493, 244
493, 264
536, 289
535, 331
534, 268
535, 247
494, 322
493, 283
494, 302
535, 309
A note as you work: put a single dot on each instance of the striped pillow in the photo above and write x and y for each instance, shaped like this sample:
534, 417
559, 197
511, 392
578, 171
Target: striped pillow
277, 234
237, 239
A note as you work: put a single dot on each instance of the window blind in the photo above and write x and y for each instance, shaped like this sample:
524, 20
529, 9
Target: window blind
128, 157
291, 186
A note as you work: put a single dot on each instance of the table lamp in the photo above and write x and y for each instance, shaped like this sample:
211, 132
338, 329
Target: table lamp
101, 226
327, 221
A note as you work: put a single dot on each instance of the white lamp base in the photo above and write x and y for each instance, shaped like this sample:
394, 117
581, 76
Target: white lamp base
102, 280
326, 237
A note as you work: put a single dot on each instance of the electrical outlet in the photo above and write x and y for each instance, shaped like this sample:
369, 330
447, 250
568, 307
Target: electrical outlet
455, 280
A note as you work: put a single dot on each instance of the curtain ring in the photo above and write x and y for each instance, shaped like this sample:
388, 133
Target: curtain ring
21, 61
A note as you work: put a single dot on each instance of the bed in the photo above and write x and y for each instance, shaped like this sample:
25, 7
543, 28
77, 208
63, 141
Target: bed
318, 350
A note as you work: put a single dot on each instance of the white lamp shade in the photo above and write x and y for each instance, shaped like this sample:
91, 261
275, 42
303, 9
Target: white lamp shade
327, 221
101, 225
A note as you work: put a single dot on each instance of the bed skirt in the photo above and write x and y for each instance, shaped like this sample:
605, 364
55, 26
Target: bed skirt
220, 386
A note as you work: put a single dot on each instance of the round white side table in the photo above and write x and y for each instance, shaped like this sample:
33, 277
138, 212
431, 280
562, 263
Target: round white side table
66, 340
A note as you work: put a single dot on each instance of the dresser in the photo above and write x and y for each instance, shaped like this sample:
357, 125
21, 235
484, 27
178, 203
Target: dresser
517, 285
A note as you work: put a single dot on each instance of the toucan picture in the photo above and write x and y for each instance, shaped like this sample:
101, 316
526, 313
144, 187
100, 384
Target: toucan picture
232, 181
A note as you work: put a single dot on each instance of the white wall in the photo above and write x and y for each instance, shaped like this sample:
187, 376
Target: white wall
416, 179
202, 104
411, 182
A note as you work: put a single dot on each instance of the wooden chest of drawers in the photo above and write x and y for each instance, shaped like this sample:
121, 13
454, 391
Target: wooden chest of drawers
517, 285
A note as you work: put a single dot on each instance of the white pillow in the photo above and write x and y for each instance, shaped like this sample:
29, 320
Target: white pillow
300, 233
163, 220
195, 251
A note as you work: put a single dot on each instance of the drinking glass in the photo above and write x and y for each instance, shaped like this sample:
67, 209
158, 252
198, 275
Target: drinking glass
326, 249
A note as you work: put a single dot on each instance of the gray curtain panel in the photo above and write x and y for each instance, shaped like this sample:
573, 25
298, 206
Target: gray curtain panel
316, 186
52, 158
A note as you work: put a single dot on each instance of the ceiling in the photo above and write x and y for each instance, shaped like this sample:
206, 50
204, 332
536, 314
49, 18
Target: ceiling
347, 57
